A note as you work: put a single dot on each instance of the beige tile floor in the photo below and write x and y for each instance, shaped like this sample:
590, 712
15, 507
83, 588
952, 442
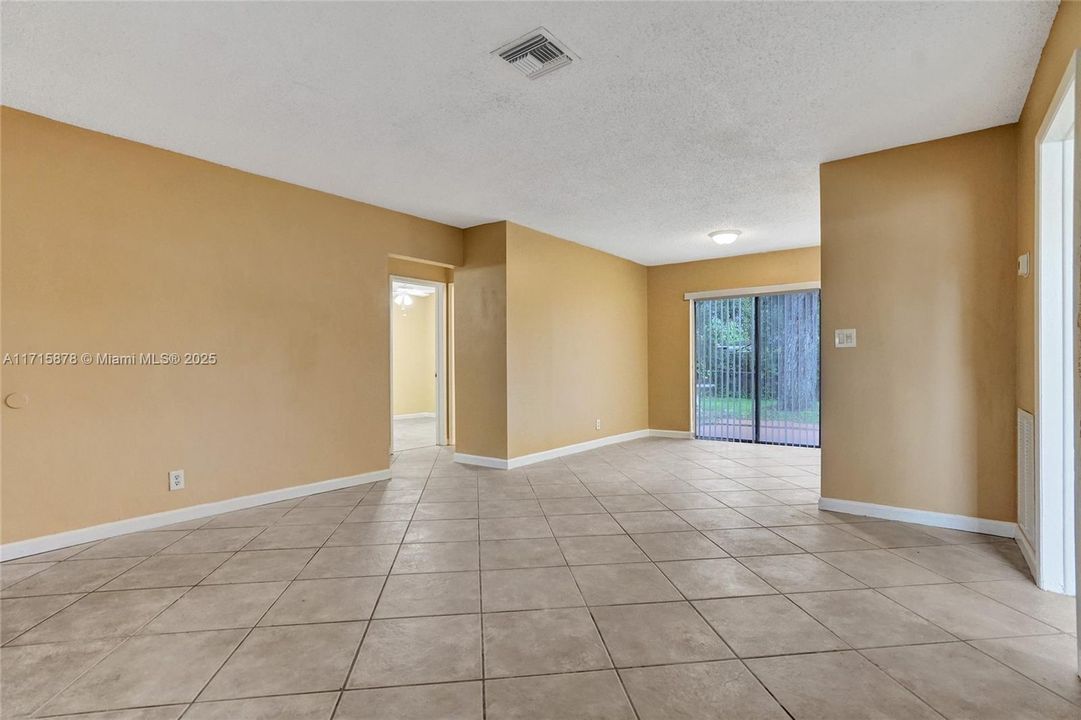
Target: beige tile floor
653, 579
412, 433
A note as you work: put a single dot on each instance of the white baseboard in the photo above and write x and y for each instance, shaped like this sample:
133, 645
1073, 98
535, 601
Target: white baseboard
537, 457
921, 517
523, 460
413, 416
676, 434
45, 543
481, 461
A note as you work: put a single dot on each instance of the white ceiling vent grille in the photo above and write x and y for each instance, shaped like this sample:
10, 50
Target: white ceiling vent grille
536, 53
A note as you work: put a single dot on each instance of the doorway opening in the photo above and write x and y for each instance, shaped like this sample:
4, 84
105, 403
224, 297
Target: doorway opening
418, 340
756, 370
1049, 531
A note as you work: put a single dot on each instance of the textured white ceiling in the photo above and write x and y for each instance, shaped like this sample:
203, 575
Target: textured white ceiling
679, 118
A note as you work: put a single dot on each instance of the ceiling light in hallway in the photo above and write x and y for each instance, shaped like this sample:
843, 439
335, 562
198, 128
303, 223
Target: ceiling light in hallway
404, 292
724, 237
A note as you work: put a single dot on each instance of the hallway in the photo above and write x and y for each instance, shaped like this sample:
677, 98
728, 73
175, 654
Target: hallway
411, 433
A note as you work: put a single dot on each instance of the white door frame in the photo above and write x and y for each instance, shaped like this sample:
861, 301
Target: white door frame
440, 353
1054, 543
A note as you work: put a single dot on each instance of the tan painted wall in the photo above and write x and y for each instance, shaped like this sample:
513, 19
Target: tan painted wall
918, 255
115, 247
1064, 39
576, 343
669, 318
412, 330
480, 358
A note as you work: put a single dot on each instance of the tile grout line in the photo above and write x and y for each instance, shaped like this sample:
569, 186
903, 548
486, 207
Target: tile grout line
11, 641
955, 639
121, 641
734, 654
911, 691
703, 618
1012, 669
288, 584
480, 602
415, 505
125, 638
566, 672
959, 583
946, 581
382, 588
698, 612
593, 618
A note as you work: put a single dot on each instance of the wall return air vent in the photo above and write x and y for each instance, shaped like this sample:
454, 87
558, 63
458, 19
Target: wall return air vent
536, 53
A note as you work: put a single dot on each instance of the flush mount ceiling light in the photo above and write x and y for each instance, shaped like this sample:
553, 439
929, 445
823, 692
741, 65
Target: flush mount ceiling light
724, 237
405, 292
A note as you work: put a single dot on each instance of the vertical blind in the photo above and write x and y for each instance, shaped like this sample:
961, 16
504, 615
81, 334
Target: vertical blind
757, 368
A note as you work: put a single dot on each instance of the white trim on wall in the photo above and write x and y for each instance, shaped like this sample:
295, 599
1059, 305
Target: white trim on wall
575, 448
45, 543
920, 517
523, 460
761, 290
482, 461
414, 416
692, 375
1055, 278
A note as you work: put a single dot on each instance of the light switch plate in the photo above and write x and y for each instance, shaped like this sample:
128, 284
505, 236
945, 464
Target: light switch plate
844, 338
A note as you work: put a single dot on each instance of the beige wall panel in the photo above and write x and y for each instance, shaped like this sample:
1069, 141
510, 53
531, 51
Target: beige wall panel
669, 318
918, 255
111, 246
480, 342
576, 343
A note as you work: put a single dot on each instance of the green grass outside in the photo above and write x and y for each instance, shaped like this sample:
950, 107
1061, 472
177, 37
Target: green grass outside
744, 407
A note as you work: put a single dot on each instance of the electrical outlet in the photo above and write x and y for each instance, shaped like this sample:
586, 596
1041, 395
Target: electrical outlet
176, 480
597, 424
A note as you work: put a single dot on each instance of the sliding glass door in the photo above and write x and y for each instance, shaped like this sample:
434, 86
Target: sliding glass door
788, 368
756, 367
724, 365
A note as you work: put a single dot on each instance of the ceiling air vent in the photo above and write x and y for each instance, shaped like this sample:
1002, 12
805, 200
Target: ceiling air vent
536, 53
